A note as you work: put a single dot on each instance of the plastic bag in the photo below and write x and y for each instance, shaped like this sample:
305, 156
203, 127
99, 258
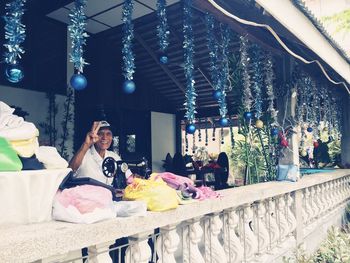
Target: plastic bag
83, 204
9, 161
156, 193
288, 172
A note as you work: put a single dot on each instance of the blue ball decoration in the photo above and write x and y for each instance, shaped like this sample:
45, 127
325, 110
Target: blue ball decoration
163, 58
217, 94
129, 86
78, 81
274, 131
223, 122
247, 115
309, 129
190, 128
14, 73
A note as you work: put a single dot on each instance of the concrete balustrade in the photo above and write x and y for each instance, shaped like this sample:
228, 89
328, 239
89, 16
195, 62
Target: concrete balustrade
255, 223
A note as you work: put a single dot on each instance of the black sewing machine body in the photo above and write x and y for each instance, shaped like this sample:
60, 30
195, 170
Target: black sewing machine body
117, 170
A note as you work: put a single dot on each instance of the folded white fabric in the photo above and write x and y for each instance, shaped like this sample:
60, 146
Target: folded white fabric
50, 158
26, 131
130, 208
7, 119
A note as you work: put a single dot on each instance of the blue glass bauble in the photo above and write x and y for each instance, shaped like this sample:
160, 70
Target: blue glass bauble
78, 82
223, 121
247, 115
309, 129
129, 86
163, 58
190, 128
14, 73
217, 94
274, 131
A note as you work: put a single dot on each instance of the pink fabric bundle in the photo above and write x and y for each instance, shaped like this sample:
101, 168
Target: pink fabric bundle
187, 187
175, 181
85, 198
208, 193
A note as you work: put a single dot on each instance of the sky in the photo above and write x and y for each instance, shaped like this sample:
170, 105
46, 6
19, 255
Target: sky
324, 8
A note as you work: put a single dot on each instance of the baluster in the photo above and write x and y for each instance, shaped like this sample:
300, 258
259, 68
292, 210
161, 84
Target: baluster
292, 222
192, 236
259, 228
98, 254
343, 190
214, 251
272, 224
313, 203
328, 196
250, 241
331, 195
308, 205
138, 250
316, 199
166, 245
281, 218
304, 207
323, 201
232, 245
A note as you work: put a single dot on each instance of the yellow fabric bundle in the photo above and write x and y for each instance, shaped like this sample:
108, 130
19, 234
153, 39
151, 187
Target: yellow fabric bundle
25, 148
156, 193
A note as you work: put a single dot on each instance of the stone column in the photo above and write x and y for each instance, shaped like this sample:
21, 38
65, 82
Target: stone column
345, 140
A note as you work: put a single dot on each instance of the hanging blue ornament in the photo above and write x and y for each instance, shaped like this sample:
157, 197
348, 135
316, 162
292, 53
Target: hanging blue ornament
247, 115
223, 122
274, 131
309, 129
217, 94
14, 73
190, 128
163, 58
78, 81
129, 86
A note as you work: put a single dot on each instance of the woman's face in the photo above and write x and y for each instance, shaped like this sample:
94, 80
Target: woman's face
105, 139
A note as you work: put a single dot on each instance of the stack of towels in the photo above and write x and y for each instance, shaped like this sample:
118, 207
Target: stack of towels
23, 137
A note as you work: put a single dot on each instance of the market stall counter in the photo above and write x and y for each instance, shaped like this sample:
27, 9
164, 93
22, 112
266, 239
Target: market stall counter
27, 196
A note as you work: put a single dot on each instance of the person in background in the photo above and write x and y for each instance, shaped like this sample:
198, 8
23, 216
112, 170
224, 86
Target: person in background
321, 154
87, 162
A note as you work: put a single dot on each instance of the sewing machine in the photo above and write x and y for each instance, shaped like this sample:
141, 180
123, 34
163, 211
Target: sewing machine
117, 169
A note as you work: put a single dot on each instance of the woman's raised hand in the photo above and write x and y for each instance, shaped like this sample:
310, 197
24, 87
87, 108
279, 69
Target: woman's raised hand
91, 136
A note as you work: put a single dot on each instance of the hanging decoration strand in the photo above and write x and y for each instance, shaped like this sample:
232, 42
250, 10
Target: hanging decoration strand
128, 36
258, 80
213, 50
279, 40
224, 69
188, 45
269, 77
162, 27
78, 35
247, 94
14, 31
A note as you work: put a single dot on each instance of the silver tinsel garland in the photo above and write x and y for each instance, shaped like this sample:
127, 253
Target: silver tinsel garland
247, 94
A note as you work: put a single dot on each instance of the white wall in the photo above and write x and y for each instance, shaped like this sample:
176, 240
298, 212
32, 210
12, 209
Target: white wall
163, 138
36, 104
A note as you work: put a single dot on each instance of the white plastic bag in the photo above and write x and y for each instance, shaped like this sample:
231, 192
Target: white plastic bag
130, 208
84, 204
